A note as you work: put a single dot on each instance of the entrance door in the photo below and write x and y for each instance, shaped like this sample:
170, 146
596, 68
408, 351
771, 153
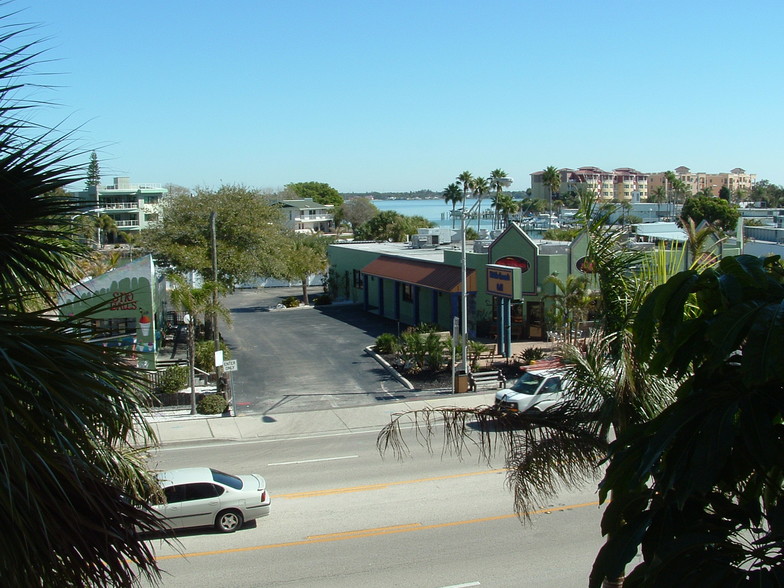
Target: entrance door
535, 320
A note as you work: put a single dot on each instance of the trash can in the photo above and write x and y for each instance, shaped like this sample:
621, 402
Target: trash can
461, 382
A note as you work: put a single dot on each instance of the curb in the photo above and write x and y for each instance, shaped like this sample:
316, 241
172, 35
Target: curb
395, 374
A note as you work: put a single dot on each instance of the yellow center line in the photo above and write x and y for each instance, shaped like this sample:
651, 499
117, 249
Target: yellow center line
381, 486
361, 534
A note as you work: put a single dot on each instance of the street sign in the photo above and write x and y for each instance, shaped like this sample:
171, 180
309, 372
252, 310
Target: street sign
229, 365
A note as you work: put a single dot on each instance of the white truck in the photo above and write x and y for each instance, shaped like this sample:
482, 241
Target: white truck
539, 387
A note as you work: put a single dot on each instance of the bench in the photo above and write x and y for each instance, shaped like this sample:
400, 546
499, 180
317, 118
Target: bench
492, 380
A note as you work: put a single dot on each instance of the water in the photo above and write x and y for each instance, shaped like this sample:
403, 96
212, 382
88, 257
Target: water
439, 212
436, 211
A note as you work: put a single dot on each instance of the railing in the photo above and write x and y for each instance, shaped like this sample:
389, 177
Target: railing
120, 205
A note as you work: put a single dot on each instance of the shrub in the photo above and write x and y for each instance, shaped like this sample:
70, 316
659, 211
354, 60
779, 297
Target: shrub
290, 302
171, 381
211, 404
204, 355
322, 300
386, 343
531, 354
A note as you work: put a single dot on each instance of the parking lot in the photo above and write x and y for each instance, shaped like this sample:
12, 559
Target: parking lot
304, 359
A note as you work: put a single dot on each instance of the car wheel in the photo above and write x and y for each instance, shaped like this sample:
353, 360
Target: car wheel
228, 521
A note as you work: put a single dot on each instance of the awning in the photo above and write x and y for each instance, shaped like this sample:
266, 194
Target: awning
427, 274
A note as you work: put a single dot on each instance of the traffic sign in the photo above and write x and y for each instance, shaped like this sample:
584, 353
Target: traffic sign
229, 365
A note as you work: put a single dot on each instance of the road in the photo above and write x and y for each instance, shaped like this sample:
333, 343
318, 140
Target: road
343, 516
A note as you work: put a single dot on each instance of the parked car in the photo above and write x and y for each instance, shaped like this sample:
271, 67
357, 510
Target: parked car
538, 388
199, 497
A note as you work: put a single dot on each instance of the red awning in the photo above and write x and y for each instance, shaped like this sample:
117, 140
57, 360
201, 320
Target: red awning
427, 274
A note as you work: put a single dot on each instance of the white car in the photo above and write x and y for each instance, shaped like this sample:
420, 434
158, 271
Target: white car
540, 387
199, 497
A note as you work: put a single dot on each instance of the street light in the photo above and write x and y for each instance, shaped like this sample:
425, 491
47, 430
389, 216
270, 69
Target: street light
463, 290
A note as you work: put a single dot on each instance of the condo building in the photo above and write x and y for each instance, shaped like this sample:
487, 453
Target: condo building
623, 184
737, 180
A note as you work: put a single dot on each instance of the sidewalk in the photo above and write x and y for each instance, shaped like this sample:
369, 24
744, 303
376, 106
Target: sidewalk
180, 427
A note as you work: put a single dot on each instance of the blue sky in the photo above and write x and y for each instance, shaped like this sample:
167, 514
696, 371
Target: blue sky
404, 95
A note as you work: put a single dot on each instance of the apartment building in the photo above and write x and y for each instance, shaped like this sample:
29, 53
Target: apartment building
736, 180
623, 184
132, 206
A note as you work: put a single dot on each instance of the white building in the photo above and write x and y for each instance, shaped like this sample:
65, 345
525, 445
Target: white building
132, 206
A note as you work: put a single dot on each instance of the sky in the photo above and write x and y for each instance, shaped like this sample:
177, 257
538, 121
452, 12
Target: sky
404, 95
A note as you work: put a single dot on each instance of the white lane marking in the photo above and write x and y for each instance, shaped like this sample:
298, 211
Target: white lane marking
463, 585
312, 460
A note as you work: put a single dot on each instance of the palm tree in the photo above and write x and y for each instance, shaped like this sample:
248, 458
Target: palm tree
658, 195
75, 493
106, 226
551, 178
453, 195
505, 205
571, 304
498, 179
480, 188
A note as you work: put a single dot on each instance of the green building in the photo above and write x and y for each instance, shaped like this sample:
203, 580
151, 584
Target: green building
507, 287
125, 307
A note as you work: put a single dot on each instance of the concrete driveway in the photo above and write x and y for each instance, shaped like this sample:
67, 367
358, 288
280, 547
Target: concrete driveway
304, 359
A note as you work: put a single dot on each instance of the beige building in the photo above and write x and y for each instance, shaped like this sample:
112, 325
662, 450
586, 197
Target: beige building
736, 180
623, 184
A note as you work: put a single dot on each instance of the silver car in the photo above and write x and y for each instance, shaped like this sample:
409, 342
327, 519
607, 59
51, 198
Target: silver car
200, 497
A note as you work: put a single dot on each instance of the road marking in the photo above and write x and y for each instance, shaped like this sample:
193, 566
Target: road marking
363, 532
372, 533
381, 486
463, 585
312, 460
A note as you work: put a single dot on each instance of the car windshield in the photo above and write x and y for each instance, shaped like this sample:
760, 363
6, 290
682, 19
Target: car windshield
527, 383
226, 479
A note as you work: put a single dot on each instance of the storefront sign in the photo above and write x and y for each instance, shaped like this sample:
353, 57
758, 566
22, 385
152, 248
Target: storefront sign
504, 281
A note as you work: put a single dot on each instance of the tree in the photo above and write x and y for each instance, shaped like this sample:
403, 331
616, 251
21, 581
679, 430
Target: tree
93, 172
466, 181
356, 212
391, 225
498, 179
714, 210
74, 492
249, 234
504, 206
480, 187
677, 188
318, 191
703, 479
192, 301
551, 178
106, 227
658, 195
452, 195
725, 194
570, 305
304, 256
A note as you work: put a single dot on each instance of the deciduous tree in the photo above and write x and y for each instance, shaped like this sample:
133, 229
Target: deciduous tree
356, 212
248, 227
716, 211
318, 191
304, 256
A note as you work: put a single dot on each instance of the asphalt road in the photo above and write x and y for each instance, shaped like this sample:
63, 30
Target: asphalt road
344, 517
304, 359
